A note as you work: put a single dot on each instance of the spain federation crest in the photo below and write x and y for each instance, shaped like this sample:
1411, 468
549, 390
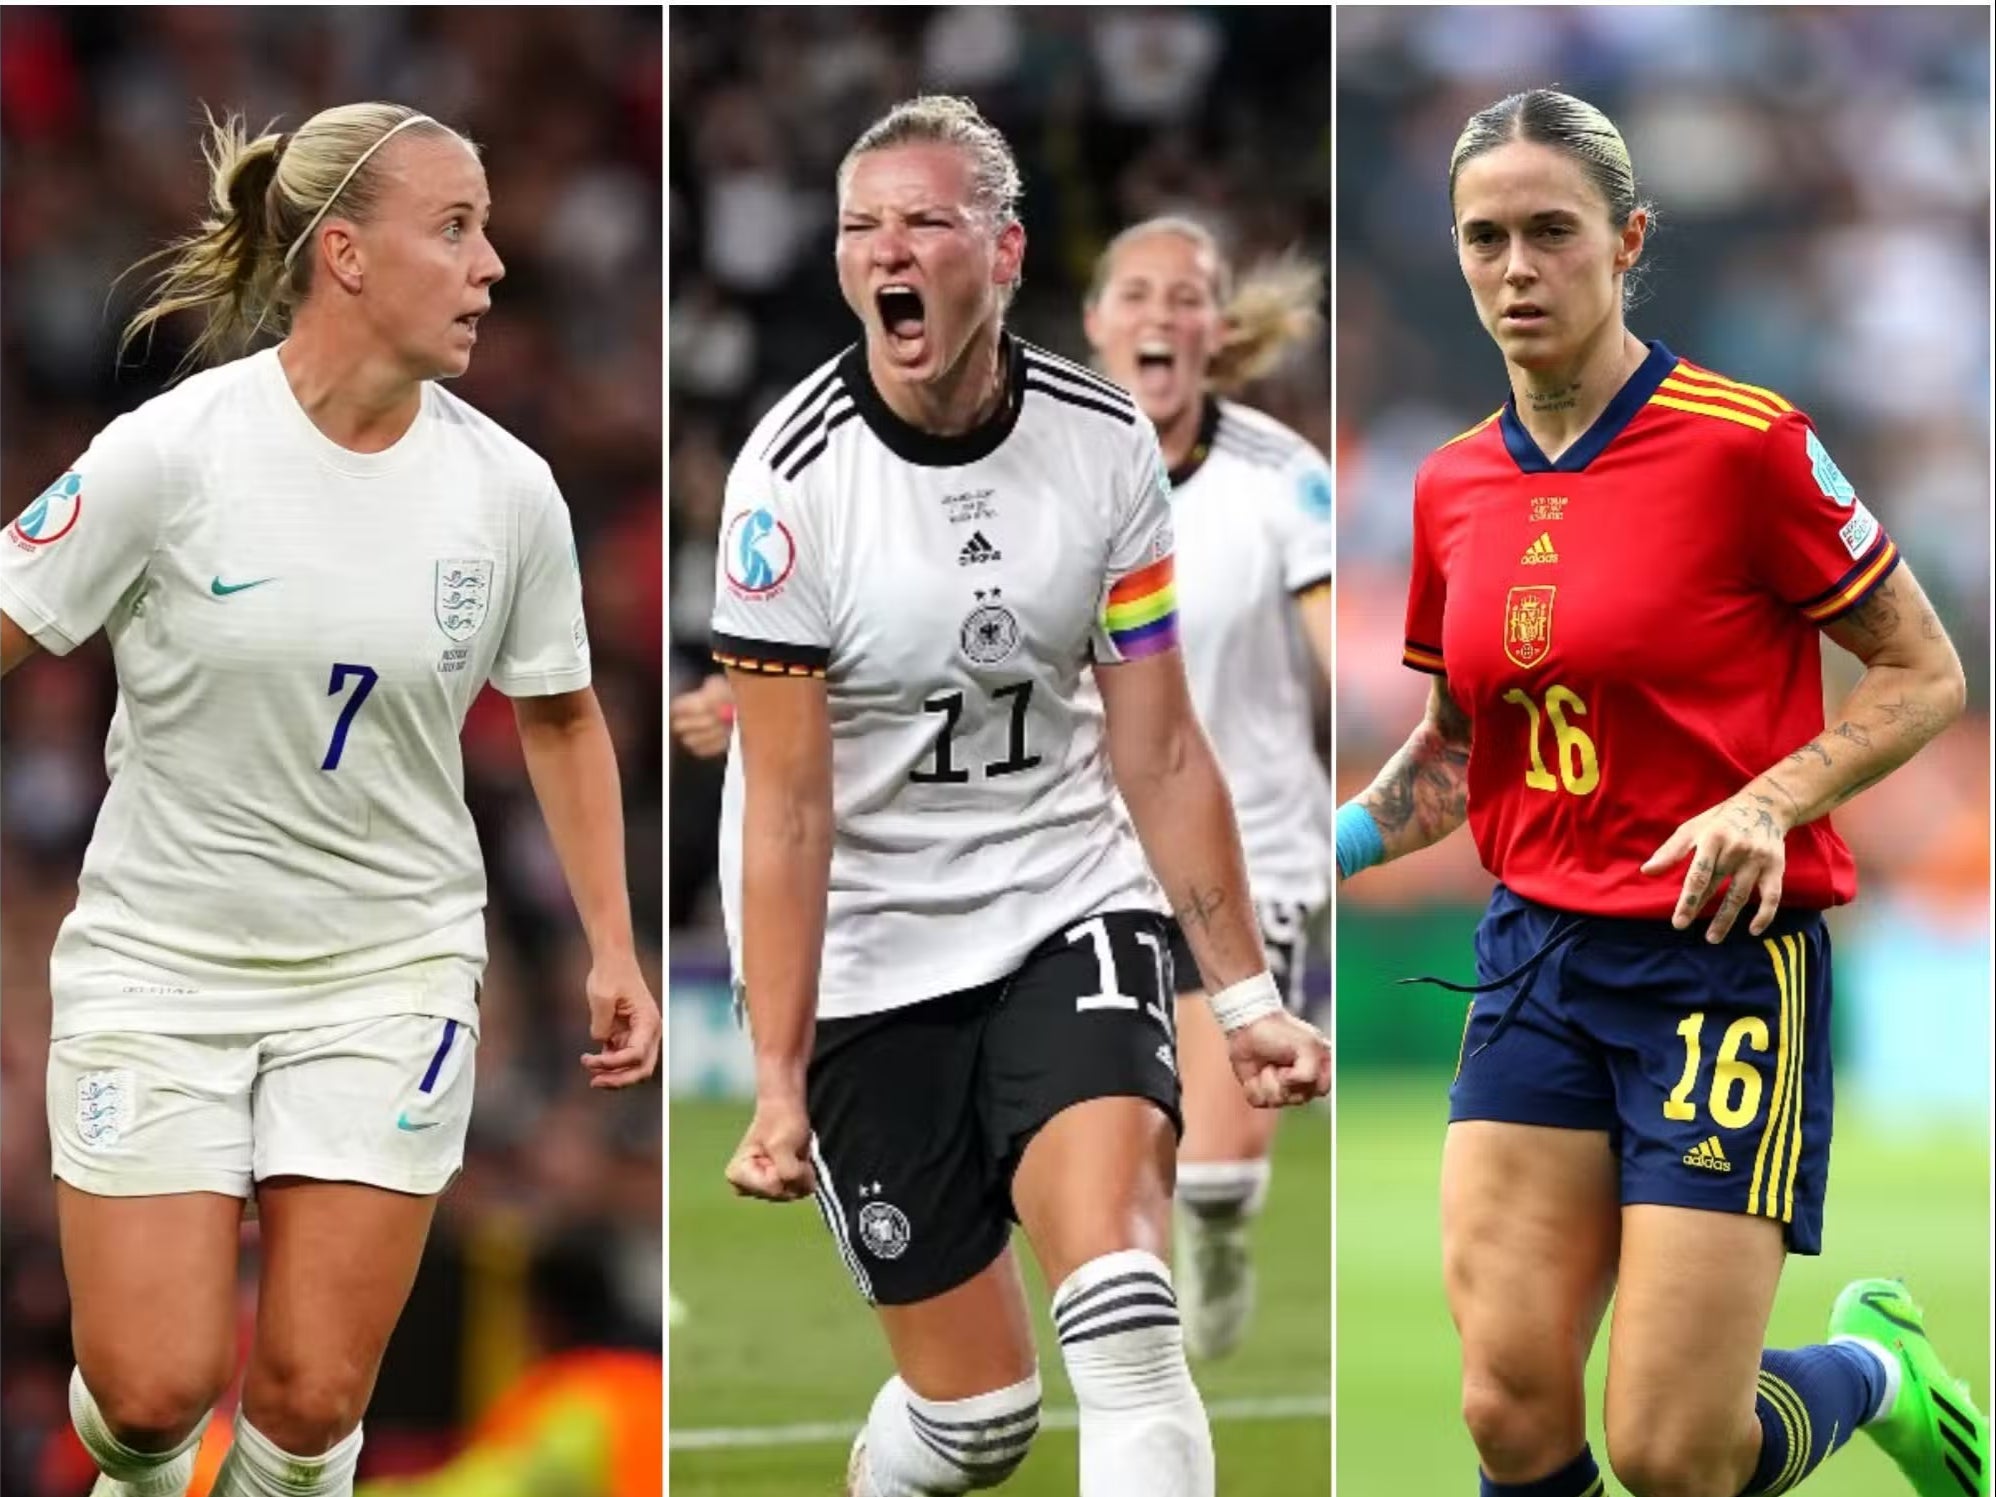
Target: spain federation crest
464, 592
1528, 625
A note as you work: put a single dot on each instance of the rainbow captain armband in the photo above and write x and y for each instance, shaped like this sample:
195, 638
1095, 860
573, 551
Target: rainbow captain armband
1239, 1005
1142, 613
1359, 843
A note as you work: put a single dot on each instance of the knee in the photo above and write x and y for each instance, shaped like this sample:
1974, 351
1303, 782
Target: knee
1526, 1419
303, 1407
154, 1406
1652, 1460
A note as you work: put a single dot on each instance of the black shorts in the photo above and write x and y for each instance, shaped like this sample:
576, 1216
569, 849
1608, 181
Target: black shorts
920, 1114
1284, 928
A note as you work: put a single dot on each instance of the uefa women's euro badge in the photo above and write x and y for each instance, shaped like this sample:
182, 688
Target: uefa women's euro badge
464, 591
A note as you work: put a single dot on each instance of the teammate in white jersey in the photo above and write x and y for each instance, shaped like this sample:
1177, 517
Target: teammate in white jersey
952, 952
307, 561
1251, 505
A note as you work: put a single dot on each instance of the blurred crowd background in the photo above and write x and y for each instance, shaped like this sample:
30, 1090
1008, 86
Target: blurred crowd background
552, 1236
1821, 178
1115, 114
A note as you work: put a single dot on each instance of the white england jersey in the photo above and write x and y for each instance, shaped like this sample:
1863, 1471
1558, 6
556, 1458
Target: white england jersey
1252, 511
298, 631
950, 590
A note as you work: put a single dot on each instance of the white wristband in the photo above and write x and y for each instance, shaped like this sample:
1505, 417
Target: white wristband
1244, 1002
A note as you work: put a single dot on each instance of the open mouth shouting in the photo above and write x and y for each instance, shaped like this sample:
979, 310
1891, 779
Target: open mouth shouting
1157, 361
903, 319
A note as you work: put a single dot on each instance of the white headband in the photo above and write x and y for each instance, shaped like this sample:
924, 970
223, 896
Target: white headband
414, 119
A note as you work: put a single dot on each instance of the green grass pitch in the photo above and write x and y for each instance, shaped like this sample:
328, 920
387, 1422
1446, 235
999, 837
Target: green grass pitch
1910, 1207
774, 1334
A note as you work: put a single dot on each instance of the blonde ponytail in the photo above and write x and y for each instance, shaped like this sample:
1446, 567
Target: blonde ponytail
1275, 306
264, 195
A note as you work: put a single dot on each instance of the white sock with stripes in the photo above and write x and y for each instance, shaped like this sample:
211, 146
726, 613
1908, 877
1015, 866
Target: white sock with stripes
921, 1447
1143, 1428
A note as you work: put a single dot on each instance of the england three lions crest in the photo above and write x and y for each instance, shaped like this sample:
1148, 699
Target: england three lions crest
464, 592
1528, 625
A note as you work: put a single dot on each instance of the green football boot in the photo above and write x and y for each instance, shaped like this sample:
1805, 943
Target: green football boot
1933, 1431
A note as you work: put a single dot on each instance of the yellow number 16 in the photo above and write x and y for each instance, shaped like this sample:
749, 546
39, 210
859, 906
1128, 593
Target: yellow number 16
1579, 767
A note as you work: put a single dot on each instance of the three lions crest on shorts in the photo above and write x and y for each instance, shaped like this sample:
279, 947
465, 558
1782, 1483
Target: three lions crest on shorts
104, 1107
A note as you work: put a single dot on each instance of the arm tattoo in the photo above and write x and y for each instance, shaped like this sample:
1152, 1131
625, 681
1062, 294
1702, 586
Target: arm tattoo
1199, 908
1878, 615
1426, 785
1855, 734
1811, 747
1916, 717
1862, 785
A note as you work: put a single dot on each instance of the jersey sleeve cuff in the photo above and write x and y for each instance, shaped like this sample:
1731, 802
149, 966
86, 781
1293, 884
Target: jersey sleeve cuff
35, 621
1310, 584
541, 683
1424, 658
770, 657
1855, 585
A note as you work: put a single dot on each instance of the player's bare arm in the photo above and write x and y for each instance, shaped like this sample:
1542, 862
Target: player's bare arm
1423, 792
786, 748
1314, 608
1184, 817
16, 644
573, 767
1912, 688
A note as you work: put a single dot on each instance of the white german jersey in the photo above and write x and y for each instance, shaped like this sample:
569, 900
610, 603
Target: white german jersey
298, 631
1252, 510
951, 591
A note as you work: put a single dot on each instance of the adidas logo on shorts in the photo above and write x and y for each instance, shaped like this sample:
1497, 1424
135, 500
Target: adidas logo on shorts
977, 549
1709, 1156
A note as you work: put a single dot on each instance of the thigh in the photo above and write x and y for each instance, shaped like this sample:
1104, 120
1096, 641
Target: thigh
383, 1102
152, 1282
905, 1176
1097, 1179
967, 1340
151, 1114
1721, 1065
339, 1259
1529, 1240
1691, 1309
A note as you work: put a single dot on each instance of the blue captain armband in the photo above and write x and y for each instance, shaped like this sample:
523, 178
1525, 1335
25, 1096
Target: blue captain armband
1359, 842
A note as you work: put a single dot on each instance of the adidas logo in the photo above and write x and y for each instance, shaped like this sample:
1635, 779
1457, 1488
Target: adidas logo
1540, 550
1709, 1156
977, 549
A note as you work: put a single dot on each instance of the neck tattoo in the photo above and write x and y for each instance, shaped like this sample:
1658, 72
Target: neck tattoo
1542, 401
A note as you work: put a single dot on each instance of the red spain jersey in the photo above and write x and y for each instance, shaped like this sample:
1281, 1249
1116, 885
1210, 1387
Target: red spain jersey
1634, 629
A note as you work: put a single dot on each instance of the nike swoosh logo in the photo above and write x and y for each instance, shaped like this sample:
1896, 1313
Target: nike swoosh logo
408, 1127
222, 589
1881, 1301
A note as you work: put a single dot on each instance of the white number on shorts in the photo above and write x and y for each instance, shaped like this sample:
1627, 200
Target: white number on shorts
1109, 995
1160, 1010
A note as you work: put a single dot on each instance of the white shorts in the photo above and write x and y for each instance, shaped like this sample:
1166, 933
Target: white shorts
380, 1101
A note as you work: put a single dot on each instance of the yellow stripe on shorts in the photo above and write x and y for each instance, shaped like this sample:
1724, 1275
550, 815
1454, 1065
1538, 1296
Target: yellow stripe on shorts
1801, 955
1771, 1129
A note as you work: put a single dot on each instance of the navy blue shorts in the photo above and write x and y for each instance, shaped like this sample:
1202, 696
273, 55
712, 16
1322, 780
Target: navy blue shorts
1707, 1066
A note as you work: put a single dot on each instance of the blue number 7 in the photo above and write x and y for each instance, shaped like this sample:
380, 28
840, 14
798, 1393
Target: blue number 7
367, 678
